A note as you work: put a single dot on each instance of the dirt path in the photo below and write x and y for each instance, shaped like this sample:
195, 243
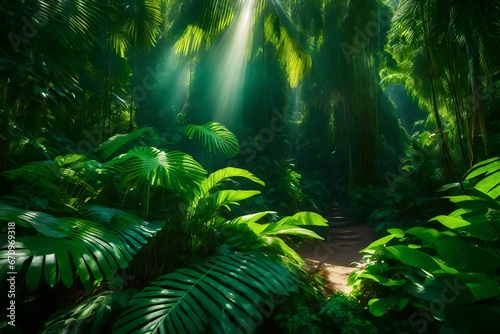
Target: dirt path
339, 253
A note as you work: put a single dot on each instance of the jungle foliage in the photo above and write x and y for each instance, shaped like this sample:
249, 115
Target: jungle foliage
445, 271
73, 241
136, 208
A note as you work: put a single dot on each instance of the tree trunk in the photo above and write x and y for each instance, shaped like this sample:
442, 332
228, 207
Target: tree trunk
478, 120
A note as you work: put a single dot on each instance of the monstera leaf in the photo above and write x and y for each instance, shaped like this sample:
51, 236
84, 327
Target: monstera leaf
65, 246
225, 294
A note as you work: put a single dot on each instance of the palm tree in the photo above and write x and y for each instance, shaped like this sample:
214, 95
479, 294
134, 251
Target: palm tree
435, 44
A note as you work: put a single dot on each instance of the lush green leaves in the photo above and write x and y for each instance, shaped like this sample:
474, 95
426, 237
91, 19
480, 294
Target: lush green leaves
150, 166
455, 268
93, 250
206, 195
90, 316
215, 136
224, 293
118, 141
44, 223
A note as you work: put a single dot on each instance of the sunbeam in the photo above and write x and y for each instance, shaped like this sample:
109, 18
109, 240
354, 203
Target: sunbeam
229, 76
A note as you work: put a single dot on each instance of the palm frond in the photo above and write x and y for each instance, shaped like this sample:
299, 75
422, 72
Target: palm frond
90, 249
72, 21
215, 136
291, 43
206, 21
219, 199
143, 21
154, 167
222, 294
191, 41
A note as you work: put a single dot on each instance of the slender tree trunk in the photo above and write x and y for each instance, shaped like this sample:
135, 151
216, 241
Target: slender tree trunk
478, 119
446, 152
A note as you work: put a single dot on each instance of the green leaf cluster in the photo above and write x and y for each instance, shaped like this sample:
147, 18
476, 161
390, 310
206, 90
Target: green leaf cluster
229, 283
451, 271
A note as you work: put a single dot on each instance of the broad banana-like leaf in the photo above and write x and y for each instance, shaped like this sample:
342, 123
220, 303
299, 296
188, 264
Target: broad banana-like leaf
490, 183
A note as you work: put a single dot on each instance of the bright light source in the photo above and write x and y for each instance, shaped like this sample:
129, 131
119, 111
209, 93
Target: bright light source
231, 68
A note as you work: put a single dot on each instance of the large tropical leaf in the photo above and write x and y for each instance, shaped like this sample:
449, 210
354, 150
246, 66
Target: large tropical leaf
224, 294
290, 42
93, 250
207, 198
153, 167
466, 256
250, 233
118, 141
223, 174
90, 316
215, 136
490, 170
44, 223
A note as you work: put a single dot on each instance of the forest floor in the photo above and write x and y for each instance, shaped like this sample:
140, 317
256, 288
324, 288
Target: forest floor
338, 255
